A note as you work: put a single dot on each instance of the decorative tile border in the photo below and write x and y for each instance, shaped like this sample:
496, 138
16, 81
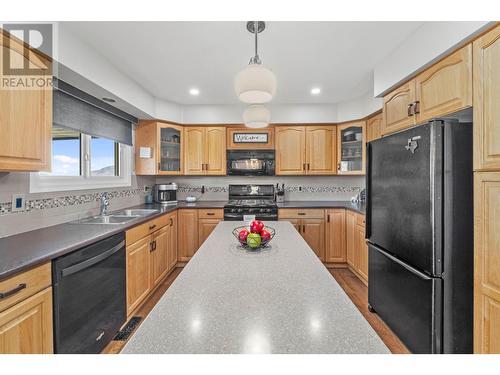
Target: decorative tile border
69, 200
288, 189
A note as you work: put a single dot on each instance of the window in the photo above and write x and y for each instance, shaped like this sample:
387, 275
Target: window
81, 161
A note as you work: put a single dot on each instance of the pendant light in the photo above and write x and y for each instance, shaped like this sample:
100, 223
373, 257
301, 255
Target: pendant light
256, 116
255, 84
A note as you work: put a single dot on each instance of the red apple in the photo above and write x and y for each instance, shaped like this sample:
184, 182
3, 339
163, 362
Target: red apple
256, 226
242, 236
265, 235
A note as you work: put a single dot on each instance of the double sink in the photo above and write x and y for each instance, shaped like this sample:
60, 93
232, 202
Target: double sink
120, 217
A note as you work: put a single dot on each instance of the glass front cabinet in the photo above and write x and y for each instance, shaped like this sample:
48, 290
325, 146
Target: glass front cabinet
351, 148
158, 149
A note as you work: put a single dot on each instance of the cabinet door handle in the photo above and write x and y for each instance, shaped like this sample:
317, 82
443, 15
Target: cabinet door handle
171, 222
154, 245
303, 228
206, 166
151, 227
308, 166
304, 166
338, 166
328, 218
416, 107
159, 166
150, 246
11, 292
410, 109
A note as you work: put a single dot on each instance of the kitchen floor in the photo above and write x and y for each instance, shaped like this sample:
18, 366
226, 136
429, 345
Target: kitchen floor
354, 288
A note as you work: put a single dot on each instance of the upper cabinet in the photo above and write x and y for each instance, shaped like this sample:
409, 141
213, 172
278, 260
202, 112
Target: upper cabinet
205, 150
158, 149
398, 109
304, 150
443, 88
374, 127
25, 114
351, 148
486, 101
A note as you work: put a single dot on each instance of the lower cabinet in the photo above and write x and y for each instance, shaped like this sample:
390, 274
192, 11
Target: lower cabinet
357, 249
187, 234
26, 327
335, 244
310, 223
207, 221
150, 258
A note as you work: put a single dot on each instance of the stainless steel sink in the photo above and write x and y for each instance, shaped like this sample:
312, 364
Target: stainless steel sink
138, 212
110, 219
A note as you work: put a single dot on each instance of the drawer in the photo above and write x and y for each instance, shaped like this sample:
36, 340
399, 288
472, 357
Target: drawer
360, 220
35, 280
214, 213
297, 213
143, 230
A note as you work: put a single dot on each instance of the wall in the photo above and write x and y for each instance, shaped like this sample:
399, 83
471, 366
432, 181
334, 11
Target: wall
424, 46
297, 187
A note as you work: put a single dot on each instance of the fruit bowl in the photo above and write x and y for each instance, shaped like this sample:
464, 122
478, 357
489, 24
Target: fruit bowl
258, 243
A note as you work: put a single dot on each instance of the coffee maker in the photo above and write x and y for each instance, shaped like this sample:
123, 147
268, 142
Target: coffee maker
165, 193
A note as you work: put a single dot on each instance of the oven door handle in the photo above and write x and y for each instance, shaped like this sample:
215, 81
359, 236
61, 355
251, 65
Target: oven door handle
90, 262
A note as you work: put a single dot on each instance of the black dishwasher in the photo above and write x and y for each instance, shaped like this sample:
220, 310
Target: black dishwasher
89, 296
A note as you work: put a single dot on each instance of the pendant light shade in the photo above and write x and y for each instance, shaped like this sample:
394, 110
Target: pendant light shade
255, 84
256, 116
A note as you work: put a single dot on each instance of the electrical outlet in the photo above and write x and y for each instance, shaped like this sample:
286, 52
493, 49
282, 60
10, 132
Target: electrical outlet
18, 202
147, 188
300, 188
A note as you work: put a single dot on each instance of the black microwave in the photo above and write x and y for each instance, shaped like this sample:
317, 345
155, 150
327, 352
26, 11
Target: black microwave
250, 162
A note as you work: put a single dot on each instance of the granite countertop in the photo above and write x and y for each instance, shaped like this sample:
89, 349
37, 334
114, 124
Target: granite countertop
28, 249
278, 300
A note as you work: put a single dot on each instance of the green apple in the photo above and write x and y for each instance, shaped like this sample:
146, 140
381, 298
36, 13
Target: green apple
254, 240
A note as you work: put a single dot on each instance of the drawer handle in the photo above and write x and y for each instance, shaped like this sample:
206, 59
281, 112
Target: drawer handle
210, 214
13, 291
151, 227
301, 213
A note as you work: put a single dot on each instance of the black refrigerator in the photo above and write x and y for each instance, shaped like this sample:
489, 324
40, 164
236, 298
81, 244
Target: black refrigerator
419, 228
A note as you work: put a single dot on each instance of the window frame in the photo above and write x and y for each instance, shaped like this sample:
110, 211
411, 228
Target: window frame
40, 183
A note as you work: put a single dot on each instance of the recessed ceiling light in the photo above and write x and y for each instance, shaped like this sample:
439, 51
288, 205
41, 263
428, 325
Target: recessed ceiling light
109, 100
194, 91
315, 91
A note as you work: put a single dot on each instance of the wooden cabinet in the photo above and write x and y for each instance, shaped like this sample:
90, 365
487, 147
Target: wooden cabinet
374, 128
26, 327
310, 223
207, 221
350, 220
357, 249
335, 236
307, 150
486, 101
397, 108
321, 150
26, 312
290, 150
25, 115
351, 151
165, 142
444, 88
187, 234
138, 273
487, 262
151, 255
205, 150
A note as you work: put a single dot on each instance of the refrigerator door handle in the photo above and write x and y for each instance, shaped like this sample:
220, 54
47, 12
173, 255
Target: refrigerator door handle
402, 264
368, 211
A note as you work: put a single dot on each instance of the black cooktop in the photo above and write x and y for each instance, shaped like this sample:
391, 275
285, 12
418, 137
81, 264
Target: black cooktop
250, 203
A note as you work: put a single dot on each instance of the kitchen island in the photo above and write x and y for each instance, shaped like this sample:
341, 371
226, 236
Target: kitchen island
278, 300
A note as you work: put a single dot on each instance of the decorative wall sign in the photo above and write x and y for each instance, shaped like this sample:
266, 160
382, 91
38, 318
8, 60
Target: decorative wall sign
250, 137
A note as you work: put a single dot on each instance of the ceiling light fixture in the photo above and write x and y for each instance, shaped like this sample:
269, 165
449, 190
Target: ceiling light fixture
256, 116
194, 91
255, 84
315, 91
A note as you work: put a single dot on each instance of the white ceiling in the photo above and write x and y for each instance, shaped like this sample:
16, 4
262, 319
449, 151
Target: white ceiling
169, 58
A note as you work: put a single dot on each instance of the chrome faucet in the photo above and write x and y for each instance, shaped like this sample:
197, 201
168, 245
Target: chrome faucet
104, 204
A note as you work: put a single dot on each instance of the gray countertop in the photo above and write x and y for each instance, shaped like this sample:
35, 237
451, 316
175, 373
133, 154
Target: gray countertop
28, 249
279, 300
